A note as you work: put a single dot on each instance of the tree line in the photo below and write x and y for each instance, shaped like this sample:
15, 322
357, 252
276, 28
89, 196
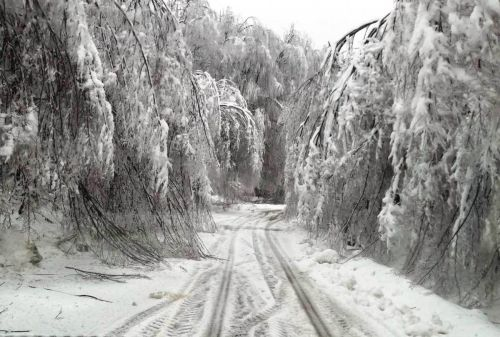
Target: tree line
128, 116
393, 146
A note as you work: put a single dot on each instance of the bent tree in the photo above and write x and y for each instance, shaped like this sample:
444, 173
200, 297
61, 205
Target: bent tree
393, 146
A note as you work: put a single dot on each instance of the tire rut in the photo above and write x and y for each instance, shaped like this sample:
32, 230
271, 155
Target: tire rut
153, 328
217, 319
216, 290
188, 314
150, 312
192, 311
345, 325
247, 315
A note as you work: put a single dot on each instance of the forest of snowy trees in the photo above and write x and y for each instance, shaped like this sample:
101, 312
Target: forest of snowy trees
116, 114
127, 118
394, 145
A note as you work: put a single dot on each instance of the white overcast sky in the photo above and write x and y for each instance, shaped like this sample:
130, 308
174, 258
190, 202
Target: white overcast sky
322, 20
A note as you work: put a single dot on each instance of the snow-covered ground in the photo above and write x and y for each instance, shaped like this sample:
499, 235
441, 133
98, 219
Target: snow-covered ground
266, 279
40, 300
378, 294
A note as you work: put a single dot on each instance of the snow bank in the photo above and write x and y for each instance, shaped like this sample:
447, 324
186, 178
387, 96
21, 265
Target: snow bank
326, 256
44, 299
385, 299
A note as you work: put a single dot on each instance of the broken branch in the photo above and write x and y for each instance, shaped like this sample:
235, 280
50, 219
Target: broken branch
77, 295
111, 277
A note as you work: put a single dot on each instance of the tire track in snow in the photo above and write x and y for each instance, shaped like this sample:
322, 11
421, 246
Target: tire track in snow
142, 316
348, 325
216, 324
202, 314
191, 311
263, 322
251, 310
217, 319
153, 328
190, 314
310, 309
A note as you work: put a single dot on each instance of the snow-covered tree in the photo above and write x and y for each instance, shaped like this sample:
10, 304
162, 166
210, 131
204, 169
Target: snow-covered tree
237, 134
445, 146
393, 146
101, 116
266, 69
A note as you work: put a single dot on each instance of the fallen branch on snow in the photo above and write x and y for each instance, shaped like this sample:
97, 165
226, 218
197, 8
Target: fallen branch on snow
58, 314
111, 277
77, 295
360, 252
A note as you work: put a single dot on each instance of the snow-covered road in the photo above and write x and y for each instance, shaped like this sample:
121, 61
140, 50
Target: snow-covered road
254, 289
266, 278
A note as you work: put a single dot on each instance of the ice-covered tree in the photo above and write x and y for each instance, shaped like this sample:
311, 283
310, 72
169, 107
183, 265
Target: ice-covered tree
266, 69
237, 134
393, 146
445, 146
101, 117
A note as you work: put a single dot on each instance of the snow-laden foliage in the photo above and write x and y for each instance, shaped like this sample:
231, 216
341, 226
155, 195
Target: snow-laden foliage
237, 135
127, 116
266, 68
101, 119
394, 145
